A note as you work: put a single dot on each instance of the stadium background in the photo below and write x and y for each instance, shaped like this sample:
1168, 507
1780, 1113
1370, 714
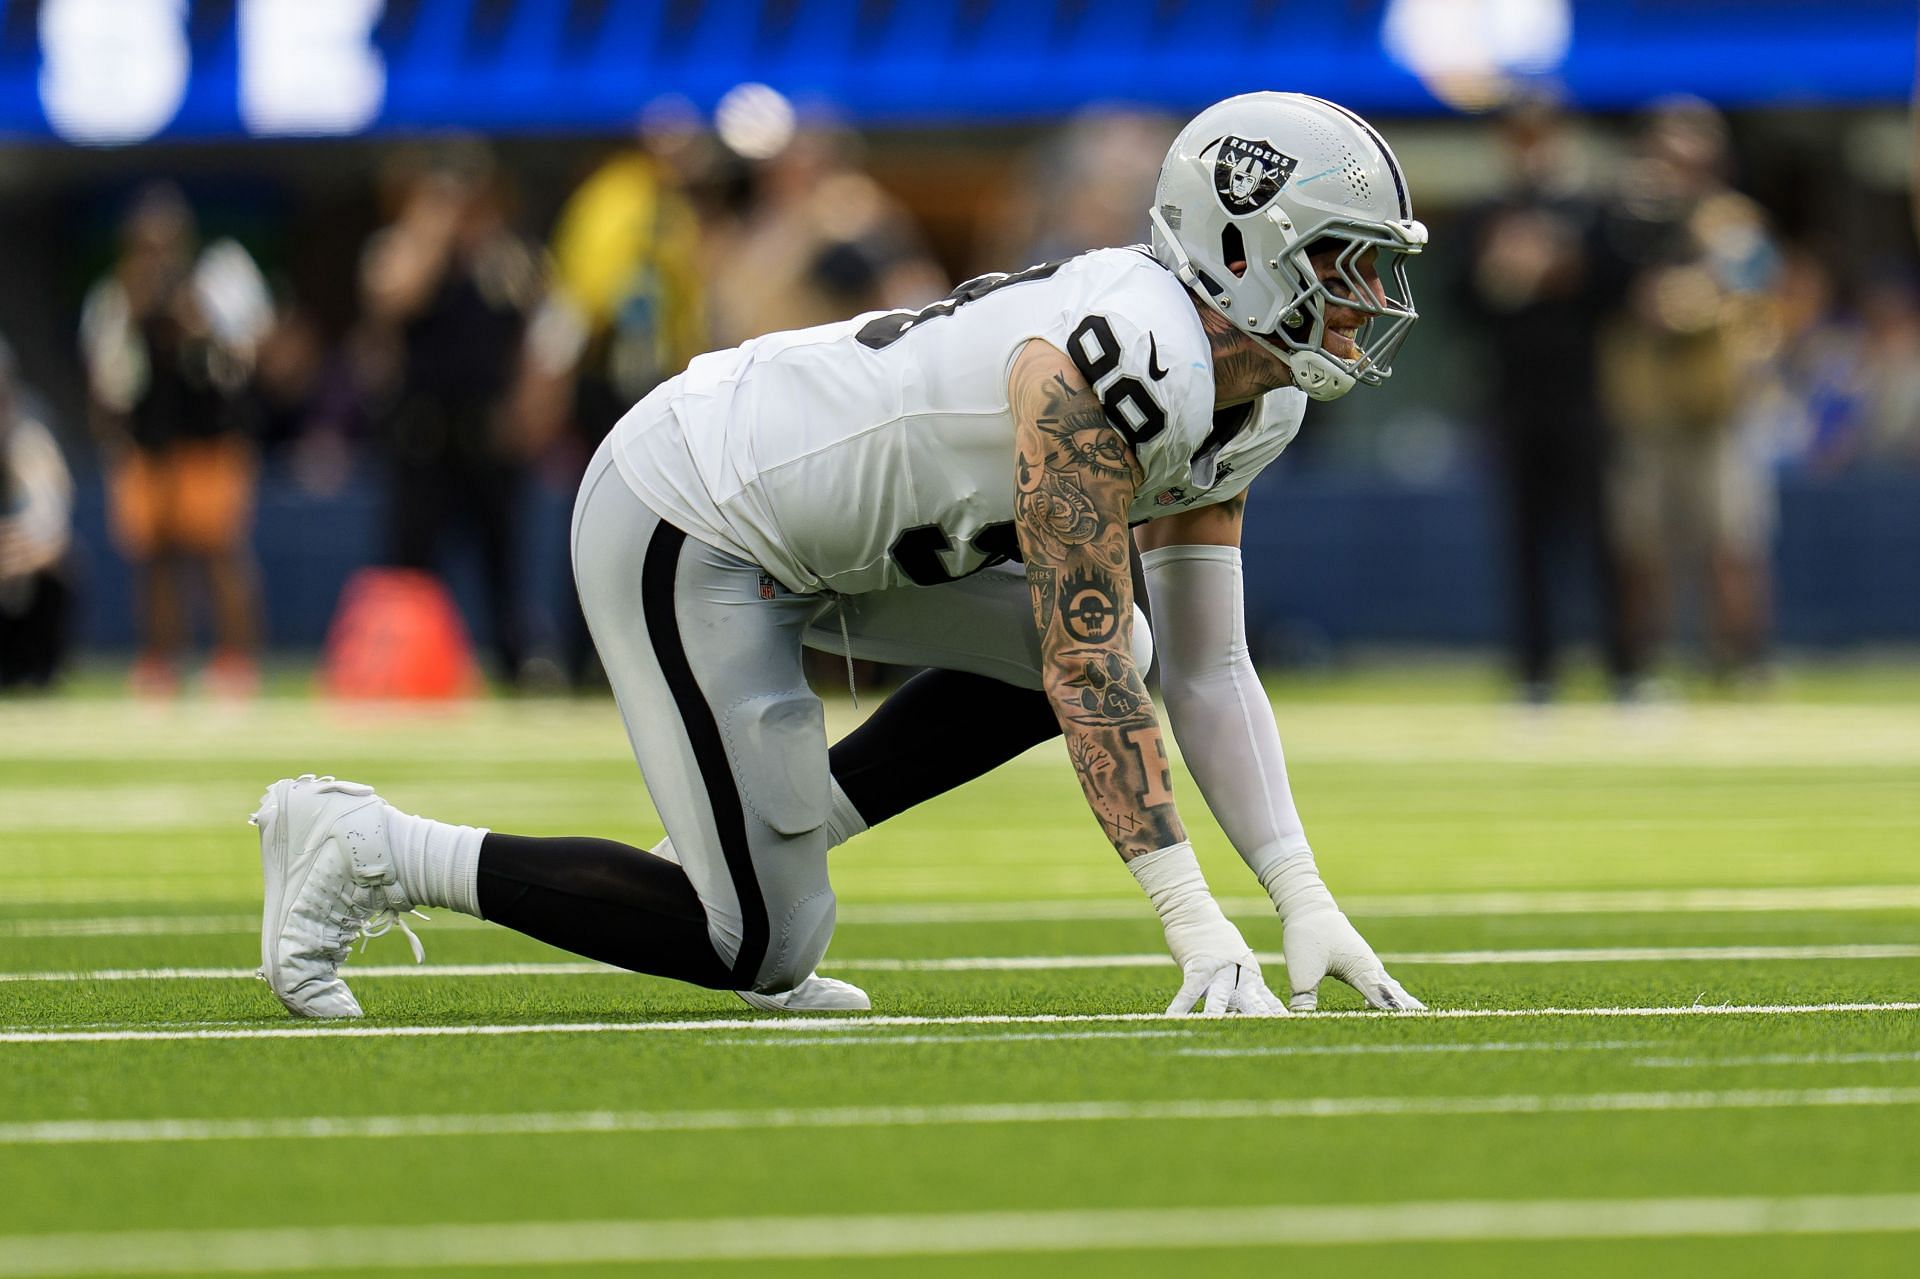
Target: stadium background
1670, 947
281, 122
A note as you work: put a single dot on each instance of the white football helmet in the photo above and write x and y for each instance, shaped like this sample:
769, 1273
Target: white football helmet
1266, 178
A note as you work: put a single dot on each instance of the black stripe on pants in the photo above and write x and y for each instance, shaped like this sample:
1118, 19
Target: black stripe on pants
709, 752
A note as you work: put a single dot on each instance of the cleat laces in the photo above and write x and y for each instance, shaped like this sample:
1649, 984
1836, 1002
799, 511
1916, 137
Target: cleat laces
383, 922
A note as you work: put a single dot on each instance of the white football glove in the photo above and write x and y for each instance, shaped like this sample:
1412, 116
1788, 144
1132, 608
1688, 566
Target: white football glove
1216, 964
1326, 944
1320, 941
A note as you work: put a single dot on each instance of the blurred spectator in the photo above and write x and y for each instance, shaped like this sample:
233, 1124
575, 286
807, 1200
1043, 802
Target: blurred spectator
626, 313
1690, 487
1890, 323
36, 527
1536, 285
1810, 404
1086, 187
448, 290
168, 339
819, 241
1842, 390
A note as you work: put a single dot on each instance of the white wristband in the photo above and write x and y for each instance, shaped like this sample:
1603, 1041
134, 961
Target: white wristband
1169, 875
1296, 888
1197, 930
1173, 883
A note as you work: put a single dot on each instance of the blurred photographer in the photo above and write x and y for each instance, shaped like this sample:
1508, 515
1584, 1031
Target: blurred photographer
1537, 284
168, 338
1690, 487
448, 290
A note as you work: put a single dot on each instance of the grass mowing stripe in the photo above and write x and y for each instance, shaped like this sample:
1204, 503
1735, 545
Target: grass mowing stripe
855, 1024
1428, 905
322, 1128
1024, 963
358, 1248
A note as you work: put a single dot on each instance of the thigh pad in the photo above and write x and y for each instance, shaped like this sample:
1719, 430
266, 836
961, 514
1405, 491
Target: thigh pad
777, 743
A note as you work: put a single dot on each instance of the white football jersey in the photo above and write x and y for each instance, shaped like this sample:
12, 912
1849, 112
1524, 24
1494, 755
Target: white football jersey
878, 452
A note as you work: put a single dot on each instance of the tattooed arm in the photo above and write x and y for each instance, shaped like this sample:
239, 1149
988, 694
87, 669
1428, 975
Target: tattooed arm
1075, 478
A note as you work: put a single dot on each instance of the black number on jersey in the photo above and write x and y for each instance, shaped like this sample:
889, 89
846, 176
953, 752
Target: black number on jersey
883, 331
1130, 406
919, 552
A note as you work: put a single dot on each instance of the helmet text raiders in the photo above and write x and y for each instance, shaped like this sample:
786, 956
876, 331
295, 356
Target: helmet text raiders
1257, 184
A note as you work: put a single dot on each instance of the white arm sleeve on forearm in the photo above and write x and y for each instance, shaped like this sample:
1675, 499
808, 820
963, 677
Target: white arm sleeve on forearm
1222, 720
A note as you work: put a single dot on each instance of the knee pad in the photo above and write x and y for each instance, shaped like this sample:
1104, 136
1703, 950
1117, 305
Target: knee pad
798, 943
1142, 641
778, 747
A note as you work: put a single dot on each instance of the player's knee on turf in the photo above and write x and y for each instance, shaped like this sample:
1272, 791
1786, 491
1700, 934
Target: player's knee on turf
798, 943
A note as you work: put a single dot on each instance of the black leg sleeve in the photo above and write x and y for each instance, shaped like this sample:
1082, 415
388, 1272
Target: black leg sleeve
603, 900
896, 760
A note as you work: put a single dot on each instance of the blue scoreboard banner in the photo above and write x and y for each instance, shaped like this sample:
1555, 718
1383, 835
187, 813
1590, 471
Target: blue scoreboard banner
117, 72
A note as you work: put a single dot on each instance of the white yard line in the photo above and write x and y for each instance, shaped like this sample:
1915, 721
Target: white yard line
558, 969
168, 925
1864, 897
1859, 897
856, 1025
1568, 955
352, 1249
1289, 1050
1032, 963
132, 926
321, 1128
895, 1041
1781, 1059
1652, 954
1401, 1050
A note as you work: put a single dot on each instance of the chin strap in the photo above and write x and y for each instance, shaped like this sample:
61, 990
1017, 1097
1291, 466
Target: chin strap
1319, 375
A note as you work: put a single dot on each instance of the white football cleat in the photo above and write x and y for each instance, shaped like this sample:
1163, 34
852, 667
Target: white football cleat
816, 994
329, 880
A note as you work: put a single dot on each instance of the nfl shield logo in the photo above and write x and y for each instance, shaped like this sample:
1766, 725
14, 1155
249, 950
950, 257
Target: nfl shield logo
1248, 173
766, 586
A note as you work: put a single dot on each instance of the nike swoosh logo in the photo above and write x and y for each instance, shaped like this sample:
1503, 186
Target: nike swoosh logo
1154, 370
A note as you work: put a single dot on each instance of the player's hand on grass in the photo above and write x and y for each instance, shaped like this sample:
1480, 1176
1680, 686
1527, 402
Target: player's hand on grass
1324, 943
1216, 964
1229, 984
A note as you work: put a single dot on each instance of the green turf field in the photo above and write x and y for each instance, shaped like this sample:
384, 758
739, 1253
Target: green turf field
1673, 953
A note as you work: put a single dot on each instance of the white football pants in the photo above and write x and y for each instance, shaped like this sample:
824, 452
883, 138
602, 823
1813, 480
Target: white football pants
703, 652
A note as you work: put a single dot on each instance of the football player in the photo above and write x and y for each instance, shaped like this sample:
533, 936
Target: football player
865, 487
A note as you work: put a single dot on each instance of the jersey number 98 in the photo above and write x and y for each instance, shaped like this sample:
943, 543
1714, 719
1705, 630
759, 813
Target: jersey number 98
1130, 407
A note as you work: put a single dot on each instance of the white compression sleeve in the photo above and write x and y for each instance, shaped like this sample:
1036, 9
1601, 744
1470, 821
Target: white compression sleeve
1222, 720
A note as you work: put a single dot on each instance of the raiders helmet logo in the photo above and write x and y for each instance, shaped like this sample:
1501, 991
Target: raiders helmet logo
1247, 174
